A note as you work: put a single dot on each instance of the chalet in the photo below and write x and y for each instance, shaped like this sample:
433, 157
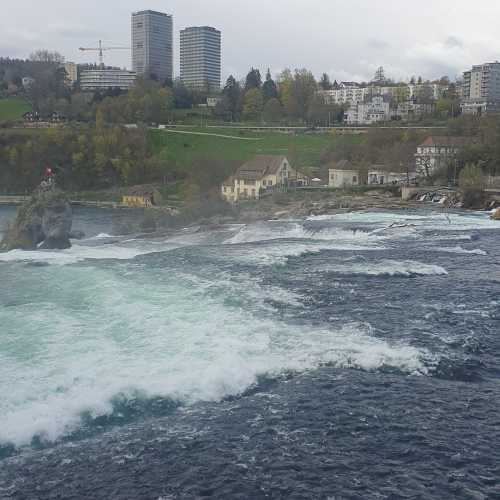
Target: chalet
438, 152
255, 177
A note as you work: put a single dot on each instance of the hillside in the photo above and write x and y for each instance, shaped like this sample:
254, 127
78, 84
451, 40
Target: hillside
13, 108
182, 148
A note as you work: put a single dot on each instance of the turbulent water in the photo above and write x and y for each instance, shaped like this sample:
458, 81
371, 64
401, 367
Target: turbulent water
353, 356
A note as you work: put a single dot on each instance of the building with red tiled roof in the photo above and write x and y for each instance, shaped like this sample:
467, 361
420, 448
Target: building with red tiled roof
438, 152
260, 174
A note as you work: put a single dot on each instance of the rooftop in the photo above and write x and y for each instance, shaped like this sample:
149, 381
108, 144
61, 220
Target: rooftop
436, 141
154, 12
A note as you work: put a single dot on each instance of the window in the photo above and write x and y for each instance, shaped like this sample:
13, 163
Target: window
139, 25
354, 180
264, 182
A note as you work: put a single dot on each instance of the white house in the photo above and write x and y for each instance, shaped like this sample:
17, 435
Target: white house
375, 110
437, 152
263, 172
342, 175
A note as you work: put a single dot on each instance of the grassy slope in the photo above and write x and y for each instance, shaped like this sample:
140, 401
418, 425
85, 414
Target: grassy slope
304, 150
13, 108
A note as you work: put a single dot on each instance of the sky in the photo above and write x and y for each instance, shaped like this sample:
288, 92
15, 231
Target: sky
348, 39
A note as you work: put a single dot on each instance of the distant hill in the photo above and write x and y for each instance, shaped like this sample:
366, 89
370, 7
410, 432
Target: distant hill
13, 108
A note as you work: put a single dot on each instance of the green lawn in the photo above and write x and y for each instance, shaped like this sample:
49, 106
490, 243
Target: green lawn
303, 150
13, 108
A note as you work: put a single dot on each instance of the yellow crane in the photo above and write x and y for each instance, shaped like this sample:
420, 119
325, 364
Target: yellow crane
101, 49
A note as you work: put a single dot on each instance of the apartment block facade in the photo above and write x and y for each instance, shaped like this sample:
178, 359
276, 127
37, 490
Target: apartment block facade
481, 89
92, 80
200, 58
153, 45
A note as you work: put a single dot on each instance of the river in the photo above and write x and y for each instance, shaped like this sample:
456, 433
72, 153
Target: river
353, 356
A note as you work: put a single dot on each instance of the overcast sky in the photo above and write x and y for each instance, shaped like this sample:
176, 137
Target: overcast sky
348, 39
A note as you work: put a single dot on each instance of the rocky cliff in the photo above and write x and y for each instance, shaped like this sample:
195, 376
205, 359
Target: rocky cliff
44, 221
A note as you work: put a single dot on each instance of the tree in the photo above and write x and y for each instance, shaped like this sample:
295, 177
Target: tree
253, 80
320, 113
303, 89
379, 78
269, 88
253, 103
325, 82
183, 98
425, 94
232, 95
273, 111
471, 183
47, 56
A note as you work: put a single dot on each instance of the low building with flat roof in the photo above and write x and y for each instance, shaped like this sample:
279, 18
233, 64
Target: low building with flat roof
92, 80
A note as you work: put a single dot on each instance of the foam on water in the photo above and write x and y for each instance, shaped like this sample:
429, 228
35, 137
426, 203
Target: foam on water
105, 332
269, 253
387, 268
460, 250
77, 253
442, 221
268, 232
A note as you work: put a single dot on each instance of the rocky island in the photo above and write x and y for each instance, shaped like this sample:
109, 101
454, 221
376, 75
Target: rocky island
42, 222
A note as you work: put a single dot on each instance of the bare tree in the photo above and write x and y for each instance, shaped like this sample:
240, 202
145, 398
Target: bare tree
47, 56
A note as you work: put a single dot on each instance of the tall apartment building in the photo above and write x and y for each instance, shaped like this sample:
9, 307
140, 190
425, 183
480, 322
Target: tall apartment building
152, 44
481, 89
201, 58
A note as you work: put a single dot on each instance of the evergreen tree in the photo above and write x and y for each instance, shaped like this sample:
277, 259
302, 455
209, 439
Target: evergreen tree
232, 96
269, 89
325, 82
253, 80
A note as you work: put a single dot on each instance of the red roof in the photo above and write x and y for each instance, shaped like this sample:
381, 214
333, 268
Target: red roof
445, 141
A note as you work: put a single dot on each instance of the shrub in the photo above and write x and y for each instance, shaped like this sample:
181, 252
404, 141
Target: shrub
472, 184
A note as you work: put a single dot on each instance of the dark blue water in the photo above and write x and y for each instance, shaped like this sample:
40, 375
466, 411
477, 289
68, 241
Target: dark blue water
334, 358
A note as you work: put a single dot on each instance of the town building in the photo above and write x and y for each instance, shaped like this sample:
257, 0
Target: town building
255, 177
342, 175
213, 101
71, 70
141, 197
152, 45
346, 93
375, 110
200, 58
481, 89
437, 153
93, 80
432, 91
410, 110
381, 175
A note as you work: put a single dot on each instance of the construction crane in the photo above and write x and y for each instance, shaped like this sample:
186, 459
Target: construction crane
101, 50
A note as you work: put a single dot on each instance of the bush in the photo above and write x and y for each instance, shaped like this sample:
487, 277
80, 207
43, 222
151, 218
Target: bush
472, 185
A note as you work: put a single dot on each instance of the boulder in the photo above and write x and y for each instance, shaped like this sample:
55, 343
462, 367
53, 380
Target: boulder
44, 221
496, 214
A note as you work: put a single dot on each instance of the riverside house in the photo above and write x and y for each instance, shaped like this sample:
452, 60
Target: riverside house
140, 197
255, 177
437, 152
341, 174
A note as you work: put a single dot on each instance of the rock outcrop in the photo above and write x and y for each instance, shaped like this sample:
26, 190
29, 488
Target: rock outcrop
44, 221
